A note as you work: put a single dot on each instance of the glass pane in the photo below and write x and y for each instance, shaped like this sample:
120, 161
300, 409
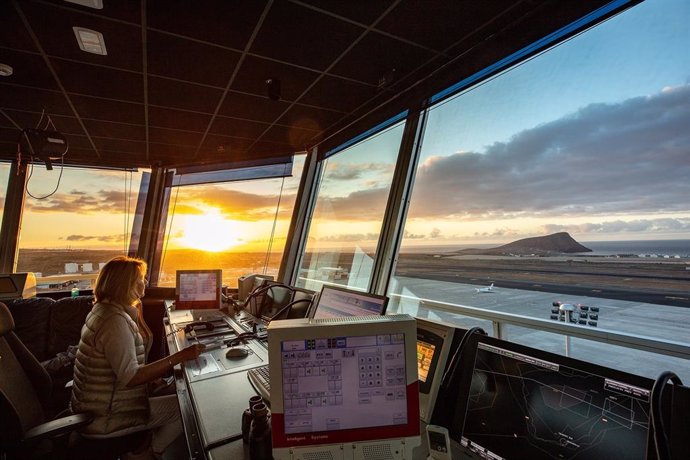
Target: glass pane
67, 236
4, 178
240, 227
565, 180
346, 223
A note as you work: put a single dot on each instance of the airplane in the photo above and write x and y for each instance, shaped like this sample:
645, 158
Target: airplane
489, 288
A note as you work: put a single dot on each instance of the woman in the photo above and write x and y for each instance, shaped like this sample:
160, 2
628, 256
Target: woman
110, 373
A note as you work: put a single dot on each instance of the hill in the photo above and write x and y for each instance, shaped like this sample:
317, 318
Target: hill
557, 243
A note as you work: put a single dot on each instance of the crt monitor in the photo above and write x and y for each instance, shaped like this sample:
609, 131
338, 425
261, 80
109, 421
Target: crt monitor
518, 402
337, 302
198, 289
436, 344
17, 286
344, 386
275, 300
247, 283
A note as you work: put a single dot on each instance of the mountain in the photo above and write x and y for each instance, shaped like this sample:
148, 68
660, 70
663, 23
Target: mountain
549, 245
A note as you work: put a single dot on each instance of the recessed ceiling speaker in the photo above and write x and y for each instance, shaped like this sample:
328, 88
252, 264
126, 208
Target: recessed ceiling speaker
273, 89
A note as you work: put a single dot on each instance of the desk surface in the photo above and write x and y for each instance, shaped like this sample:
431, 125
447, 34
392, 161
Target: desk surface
214, 391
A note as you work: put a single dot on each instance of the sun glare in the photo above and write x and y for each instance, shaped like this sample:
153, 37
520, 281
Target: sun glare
209, 232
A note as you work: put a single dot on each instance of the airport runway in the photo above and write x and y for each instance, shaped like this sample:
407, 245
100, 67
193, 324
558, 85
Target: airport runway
666, 322
629, 295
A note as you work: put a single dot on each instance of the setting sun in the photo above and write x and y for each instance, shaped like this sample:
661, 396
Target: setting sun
209, 232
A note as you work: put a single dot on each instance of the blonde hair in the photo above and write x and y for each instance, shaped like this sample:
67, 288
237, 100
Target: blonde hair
117, 280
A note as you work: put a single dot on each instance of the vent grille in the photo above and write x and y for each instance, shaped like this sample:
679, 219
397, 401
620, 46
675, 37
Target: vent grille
320, 455
377, 452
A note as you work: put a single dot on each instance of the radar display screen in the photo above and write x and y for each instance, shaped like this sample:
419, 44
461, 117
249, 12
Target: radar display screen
520, 406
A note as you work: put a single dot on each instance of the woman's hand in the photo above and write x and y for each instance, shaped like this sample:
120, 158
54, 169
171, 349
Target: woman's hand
190, 353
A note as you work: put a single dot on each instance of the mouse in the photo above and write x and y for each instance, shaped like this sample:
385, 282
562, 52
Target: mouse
236, 352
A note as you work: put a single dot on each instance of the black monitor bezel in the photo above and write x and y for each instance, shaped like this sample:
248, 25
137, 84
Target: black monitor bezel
199, 304
430, 337
315, 305
461, 385
9, 279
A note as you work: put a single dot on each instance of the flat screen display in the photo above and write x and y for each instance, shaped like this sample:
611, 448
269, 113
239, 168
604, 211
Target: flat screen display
425, 354
336, 302
344, 383
7, 285
350, 380
198, 289
524, 403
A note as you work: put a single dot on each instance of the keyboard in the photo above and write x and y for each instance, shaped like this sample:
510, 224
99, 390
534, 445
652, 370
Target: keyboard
259, 379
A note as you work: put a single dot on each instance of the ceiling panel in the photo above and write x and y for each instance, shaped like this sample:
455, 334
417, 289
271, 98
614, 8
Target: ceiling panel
189, 96
159, 96
254, 72
84, 79
192, 61
52, 26
228, 23
292, 33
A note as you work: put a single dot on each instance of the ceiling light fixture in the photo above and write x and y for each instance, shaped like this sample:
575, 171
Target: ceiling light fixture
90, 40
6, 70
97, 4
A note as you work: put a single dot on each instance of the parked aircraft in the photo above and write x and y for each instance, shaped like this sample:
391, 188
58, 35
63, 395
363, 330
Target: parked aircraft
489, 288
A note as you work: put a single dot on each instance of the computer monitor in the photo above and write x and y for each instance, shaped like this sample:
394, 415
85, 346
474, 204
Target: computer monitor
518, 402
17, 286
338, 302
344, 388
198, 289
435, 344
247, 283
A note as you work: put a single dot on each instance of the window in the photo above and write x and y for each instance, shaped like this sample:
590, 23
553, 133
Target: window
4, 177
350, 204
239, 226
67, 236
586, 144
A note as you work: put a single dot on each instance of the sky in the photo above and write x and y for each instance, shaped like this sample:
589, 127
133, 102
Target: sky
591, 138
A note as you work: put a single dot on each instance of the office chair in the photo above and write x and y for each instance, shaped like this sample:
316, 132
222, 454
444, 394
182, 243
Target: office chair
25, 431
25, 389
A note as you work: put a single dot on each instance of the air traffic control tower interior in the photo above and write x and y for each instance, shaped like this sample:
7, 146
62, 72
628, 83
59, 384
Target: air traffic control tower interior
442, 229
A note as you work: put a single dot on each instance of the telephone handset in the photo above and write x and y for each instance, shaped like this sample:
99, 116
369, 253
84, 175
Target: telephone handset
207, 325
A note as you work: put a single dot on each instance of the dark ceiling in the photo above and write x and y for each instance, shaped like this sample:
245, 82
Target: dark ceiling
185, 81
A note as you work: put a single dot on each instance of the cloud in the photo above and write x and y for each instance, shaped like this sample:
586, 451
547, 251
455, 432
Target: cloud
234, 204
100, 238
362, 205
630, 157
350, 237
605, 159
665, 225
76, 202
347, 172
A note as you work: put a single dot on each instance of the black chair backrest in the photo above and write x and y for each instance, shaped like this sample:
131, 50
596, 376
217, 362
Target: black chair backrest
24, 385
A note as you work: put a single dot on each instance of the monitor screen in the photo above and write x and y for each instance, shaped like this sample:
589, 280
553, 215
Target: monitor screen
247, 283
197, 289
17, 286
350, 380
7, 285
435, 343
337, 302
525, 403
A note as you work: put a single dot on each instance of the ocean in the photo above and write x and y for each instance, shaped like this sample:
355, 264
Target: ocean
660, 248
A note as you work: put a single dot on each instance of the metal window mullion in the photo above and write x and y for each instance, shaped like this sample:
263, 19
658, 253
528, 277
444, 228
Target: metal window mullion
298, 231
12, 217
398, 202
